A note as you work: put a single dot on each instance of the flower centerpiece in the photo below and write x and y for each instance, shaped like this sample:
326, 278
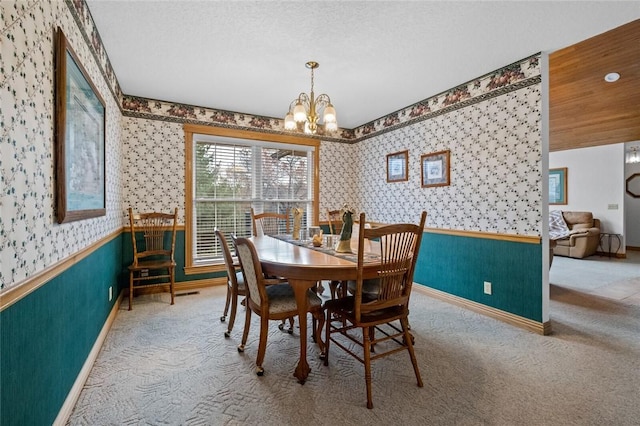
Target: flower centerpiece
344, 245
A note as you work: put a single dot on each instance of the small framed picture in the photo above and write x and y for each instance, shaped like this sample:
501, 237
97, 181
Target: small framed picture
435, 169
558, 186
397, 166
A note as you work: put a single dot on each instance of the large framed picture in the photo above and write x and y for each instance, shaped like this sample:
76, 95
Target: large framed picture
435, 169
397, 165
80, 139
558, 186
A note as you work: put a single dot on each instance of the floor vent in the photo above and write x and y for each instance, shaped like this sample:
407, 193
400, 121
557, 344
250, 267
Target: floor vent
188, 293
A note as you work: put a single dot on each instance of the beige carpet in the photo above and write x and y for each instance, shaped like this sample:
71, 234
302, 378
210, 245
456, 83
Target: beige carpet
171, 365
611, 278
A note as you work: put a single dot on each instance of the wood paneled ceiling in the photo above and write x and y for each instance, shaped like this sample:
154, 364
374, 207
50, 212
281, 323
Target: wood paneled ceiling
584, 110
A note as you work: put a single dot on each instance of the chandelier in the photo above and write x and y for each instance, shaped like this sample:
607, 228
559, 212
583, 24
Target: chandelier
632, 156
304, 110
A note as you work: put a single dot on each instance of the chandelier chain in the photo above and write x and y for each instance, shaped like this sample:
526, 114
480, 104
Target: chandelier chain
311, 80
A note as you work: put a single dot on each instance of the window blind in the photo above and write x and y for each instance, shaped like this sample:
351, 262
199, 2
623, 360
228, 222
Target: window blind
233, 175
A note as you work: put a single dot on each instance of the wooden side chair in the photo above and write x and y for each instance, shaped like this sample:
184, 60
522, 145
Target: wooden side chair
235, 283
153, 236
270, 223
335, 221
270, 302
398, 250
236, 286
335, 228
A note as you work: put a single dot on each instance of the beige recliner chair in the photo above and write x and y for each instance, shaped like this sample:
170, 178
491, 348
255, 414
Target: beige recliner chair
584, 235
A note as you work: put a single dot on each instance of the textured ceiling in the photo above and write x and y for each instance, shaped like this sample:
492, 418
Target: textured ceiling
375, 56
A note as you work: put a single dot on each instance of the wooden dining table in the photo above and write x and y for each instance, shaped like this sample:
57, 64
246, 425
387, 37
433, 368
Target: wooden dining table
303, 267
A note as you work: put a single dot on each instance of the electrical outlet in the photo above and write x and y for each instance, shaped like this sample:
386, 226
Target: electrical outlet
487, 287
612, 207
110, 293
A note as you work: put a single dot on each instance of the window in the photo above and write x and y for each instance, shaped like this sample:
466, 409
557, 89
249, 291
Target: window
230, 172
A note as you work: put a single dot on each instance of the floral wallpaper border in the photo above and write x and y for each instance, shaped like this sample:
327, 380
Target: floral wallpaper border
133, 106
457, 106
82, 16
506, 79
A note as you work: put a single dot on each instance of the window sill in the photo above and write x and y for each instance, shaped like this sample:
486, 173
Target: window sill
204, 269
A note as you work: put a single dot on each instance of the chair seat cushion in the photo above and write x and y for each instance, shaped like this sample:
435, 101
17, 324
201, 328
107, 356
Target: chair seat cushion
152, 264
240, 280
369, 286
282, 299
344, 307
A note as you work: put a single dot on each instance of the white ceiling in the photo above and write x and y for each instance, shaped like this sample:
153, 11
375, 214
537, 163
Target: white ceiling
375, 56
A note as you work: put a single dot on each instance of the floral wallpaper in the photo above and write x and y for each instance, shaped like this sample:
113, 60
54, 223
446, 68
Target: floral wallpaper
30, 237
154, 177
495, 177
462, 120
495, 145
337, 182
491, 125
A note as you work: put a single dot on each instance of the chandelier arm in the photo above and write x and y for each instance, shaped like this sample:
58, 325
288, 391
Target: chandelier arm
304, 100
322, 101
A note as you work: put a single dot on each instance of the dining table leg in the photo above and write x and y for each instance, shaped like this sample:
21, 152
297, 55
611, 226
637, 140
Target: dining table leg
300, 288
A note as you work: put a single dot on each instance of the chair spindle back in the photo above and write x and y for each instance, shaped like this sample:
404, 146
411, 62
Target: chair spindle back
154, 227
270, 223
399, 245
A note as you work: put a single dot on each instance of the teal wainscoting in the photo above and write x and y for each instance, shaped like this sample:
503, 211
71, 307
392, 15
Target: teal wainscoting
459, 265
48, 335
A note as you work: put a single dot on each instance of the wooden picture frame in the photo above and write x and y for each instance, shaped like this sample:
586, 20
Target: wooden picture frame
398, 166
80, 116
558, 186
435, 169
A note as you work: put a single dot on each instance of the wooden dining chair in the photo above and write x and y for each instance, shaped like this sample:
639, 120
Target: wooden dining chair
334, 217
236, 287
381, 311
335, 221
270, 223
153, 237
270, 302
235, 283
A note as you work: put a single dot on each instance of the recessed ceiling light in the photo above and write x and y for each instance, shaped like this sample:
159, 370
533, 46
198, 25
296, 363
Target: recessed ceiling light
611, 77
